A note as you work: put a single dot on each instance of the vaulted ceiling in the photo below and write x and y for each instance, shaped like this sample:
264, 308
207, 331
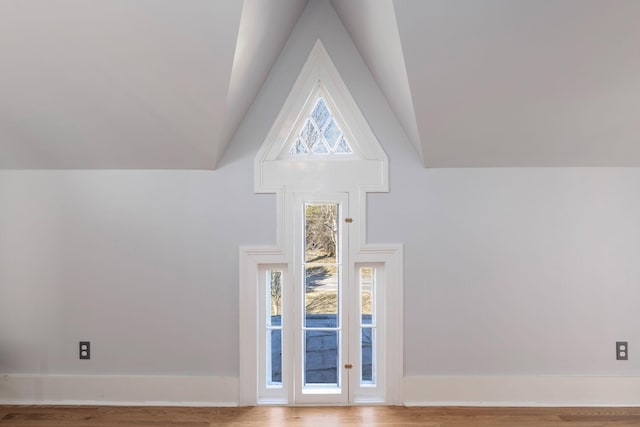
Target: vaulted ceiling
164, 84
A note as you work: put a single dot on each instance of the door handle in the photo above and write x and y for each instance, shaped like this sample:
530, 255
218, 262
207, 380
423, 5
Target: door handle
348, 366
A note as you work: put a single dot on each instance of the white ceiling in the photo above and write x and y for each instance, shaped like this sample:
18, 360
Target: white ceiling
164, 84
524, 82
159, 84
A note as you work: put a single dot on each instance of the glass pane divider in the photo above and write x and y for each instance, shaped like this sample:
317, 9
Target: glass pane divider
323, 329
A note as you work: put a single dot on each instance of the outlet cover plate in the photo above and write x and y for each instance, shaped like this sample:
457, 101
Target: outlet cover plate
622, 350
85, 350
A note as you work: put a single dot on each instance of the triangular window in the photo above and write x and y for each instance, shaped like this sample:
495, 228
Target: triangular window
320, 134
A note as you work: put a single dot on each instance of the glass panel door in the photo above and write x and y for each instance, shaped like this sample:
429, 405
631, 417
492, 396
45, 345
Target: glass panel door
339, 310
322, 354
322, 324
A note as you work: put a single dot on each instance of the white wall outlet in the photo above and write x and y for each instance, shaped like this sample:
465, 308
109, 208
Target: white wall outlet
622, 350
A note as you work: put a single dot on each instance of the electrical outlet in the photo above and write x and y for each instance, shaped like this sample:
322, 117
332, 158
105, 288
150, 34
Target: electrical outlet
622, 350
85, 350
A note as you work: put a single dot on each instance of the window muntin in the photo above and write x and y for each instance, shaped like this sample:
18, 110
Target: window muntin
320, 134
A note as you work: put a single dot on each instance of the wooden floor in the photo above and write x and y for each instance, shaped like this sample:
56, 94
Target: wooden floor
396, 416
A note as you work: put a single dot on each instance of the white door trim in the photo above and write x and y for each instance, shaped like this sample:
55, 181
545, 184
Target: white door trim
251, 260
340, 395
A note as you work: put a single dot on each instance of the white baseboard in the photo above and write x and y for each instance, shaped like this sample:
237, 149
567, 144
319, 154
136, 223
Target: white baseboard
118, 390
521, 391
134, 390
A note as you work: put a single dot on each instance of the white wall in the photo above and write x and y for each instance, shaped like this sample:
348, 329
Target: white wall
507, 271
141, 263
516, 271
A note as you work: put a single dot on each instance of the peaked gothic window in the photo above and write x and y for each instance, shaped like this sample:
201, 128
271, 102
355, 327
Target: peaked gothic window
320, 134
294, 295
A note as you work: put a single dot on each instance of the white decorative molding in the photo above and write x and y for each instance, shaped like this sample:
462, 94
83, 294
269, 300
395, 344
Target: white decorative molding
525, 391
277, 171
250, 261
275, 168
392, 256
120, 390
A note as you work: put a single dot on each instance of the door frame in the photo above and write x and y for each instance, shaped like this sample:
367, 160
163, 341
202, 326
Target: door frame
302, 395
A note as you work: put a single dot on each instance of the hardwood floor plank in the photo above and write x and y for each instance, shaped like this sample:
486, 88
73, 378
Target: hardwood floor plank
351, 416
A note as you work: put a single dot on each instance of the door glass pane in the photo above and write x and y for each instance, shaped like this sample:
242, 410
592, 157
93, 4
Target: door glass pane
321, 267
367, 301
321, 296
321, 357
321, 233
367, 355
274, 353
322, 273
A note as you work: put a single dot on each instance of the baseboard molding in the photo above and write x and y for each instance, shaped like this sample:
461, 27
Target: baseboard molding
521, 391
147, 390
134, 390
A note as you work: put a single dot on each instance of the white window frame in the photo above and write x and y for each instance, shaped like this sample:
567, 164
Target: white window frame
269, 394
374, 393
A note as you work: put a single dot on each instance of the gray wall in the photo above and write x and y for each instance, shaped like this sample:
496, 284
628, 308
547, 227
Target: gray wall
142, 263
507, 271
516, 271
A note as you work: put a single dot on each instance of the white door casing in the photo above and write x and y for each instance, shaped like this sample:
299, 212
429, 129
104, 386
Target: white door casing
319, 393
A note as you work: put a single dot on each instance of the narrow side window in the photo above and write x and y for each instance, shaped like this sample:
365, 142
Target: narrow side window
273, 328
